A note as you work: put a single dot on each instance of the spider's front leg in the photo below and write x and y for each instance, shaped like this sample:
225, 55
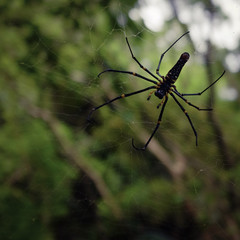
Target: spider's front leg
156, 128
116, 98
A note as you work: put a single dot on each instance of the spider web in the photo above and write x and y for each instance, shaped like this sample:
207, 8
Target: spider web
135, 117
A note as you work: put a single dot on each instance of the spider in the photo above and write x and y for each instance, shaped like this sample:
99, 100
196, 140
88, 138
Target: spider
162, 88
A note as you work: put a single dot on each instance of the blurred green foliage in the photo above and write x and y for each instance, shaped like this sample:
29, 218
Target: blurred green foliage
63, 178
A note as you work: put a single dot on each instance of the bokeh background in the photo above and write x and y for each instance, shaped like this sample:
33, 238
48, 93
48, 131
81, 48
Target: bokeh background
65, 178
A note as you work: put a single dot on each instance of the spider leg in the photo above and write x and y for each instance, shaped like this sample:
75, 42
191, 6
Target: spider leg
190, 104
200, 93
185, 112
140, 65
127, 72
161, 57
150, 94
156, 128
116, 98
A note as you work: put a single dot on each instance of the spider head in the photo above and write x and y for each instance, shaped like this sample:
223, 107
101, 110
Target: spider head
160, 93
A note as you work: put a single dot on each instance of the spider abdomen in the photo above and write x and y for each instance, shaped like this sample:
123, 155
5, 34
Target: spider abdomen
173, 74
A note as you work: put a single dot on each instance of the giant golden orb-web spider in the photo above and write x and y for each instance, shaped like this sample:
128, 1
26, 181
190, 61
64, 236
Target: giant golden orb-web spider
163, 86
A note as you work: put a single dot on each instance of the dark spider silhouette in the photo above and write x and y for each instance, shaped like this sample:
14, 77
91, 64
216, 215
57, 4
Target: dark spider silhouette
163, 87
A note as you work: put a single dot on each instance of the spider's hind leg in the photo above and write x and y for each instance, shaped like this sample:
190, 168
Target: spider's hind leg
136, 60
190, 104
200, 93
161, 57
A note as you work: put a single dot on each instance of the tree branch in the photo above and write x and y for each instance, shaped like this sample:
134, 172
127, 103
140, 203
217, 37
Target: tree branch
73, 156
